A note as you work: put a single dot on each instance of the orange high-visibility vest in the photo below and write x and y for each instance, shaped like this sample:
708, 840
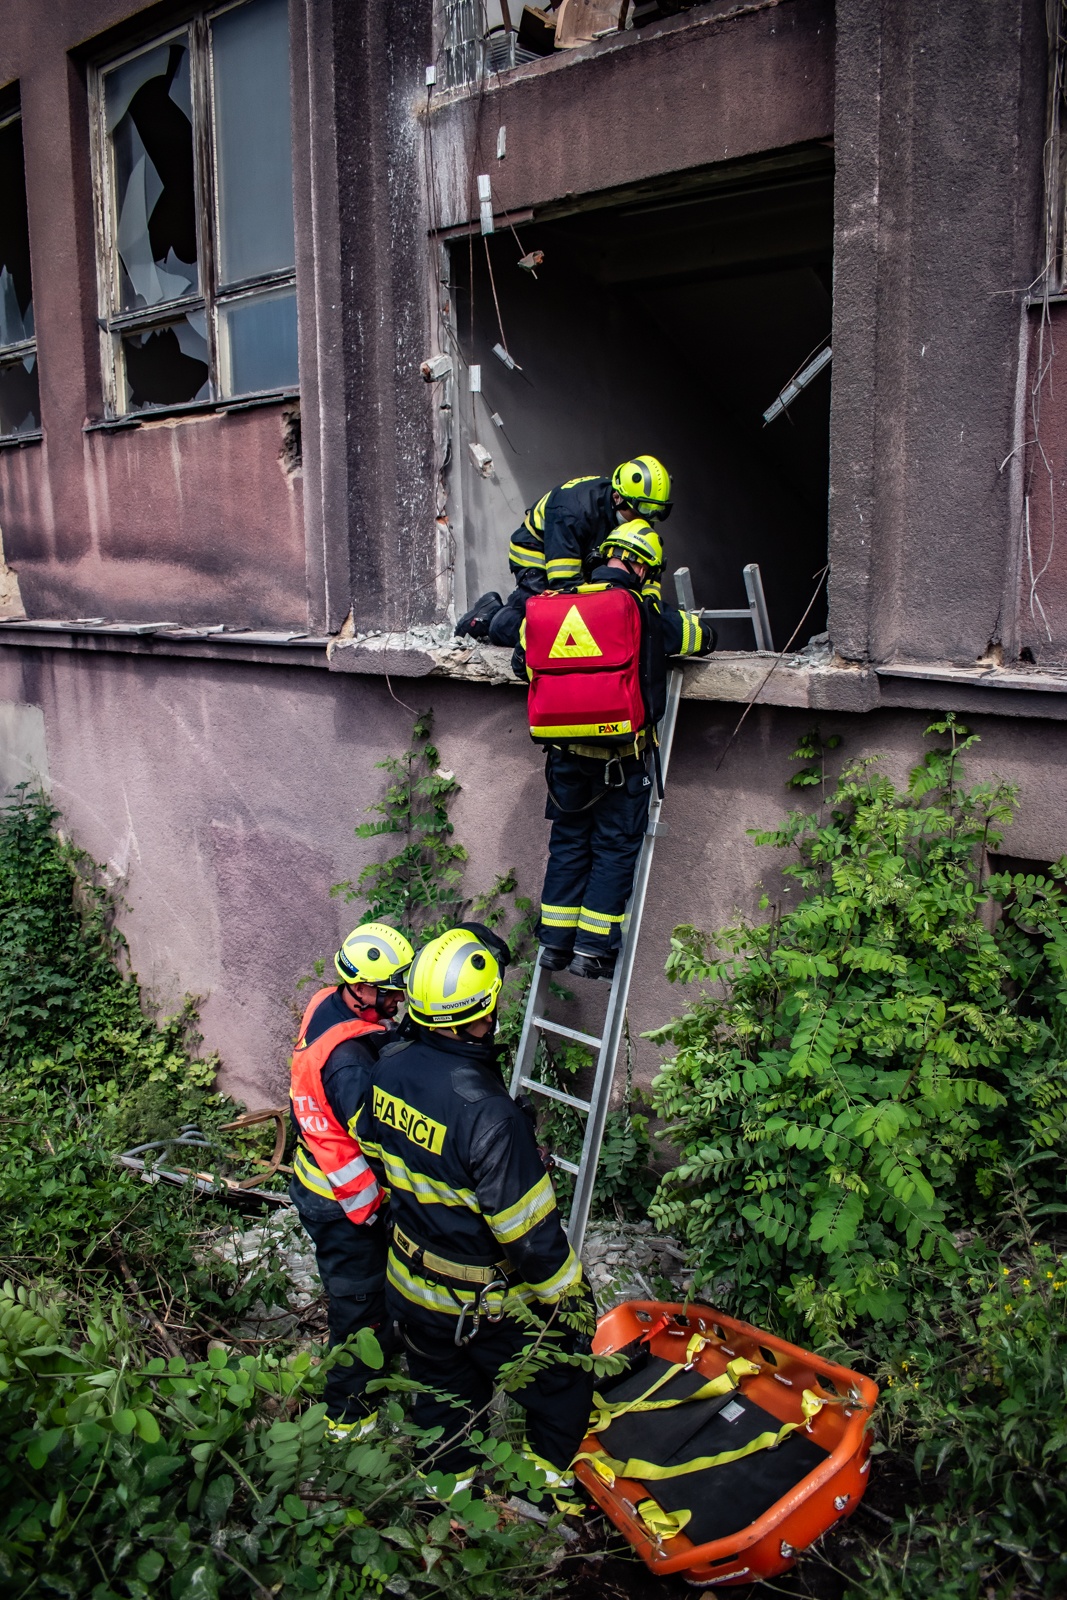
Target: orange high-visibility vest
340, 1161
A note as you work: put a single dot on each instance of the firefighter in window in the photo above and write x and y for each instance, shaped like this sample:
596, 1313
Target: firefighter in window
561, 534
336, 1195
596, 662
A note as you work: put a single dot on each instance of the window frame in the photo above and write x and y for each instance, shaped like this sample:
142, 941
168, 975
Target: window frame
210, 298
12, 353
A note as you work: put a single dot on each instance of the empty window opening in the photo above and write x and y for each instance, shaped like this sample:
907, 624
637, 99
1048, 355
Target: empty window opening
20, 405
667, 323
197, 235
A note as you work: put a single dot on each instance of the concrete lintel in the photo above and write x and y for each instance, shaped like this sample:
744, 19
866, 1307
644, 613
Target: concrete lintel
742, 676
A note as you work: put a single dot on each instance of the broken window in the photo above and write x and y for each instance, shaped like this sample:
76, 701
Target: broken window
197, 218
20, 408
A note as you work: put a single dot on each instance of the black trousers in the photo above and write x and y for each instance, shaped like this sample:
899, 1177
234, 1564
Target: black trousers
504, 628
351, 1263
597, 830
557, 1401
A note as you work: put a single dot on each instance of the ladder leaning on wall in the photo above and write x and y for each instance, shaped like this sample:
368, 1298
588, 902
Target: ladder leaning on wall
606, 1045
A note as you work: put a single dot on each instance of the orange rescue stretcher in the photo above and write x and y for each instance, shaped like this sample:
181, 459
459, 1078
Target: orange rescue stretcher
721, 1453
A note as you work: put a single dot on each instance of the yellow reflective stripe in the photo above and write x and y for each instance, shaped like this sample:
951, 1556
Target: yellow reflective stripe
521, 555
590, 477
536, 1204
582, 730
562, 568
535, 519
421, 1292
427, 1191
652, 590
597, 921
311, 1176
568, 1275
559, 916
687, 631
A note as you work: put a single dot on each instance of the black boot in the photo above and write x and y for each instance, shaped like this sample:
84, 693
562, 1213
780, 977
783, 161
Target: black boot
475, 622
585, 965
553, 959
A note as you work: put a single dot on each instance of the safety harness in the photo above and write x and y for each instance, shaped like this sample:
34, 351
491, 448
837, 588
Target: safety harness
490, 1279
663, 1524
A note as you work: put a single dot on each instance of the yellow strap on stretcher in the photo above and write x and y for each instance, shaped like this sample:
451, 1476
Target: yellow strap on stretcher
608, 1468
662, 1524
605, 1413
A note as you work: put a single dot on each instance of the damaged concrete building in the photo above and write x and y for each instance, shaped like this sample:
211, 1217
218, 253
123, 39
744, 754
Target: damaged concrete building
302, 302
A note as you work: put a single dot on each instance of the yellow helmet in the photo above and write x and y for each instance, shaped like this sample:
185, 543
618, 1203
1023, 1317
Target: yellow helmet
638, 540
645, 484
454, 979
374, 953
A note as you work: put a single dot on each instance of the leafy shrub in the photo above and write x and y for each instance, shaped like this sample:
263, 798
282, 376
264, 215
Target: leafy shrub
119, 1473
200, 1473
979, 1387
877, 1052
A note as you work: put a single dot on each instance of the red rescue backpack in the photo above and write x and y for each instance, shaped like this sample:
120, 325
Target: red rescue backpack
583, 656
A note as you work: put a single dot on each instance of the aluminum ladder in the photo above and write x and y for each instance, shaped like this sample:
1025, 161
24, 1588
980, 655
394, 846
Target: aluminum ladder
606, 1044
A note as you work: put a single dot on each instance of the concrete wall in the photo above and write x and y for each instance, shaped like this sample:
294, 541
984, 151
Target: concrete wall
222, 799
939, 128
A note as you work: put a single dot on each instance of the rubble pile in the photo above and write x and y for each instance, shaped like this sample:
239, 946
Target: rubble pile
629, 1261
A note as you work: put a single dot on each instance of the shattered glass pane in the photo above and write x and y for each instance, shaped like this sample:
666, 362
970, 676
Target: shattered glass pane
149, 122
258, 344
16, 299
253, 148
20, 405
167, 366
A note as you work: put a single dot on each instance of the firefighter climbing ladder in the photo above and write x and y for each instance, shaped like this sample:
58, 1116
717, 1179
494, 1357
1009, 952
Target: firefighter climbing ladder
606, 1045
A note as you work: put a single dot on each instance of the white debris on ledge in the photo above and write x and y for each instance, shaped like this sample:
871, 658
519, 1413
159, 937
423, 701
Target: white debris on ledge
630, 1261
420, 652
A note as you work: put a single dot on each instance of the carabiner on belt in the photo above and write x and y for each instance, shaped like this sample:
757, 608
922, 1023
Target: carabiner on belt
620, 782
476, 1312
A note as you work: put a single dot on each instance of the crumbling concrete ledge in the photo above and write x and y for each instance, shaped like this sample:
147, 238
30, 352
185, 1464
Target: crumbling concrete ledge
821, 683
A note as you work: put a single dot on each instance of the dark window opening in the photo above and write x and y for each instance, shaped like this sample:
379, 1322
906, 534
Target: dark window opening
667, 323
20, 406
198, 220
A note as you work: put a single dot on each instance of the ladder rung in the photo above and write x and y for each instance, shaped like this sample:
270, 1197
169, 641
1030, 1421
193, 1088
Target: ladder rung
568, 1166
567, 1033
555, 1094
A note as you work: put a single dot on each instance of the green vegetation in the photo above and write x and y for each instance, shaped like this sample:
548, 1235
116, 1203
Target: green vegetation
140, 1452
870, 1100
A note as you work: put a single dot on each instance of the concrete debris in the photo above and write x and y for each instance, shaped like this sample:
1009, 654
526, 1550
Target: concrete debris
278, 1244
419, 652
622, 1260
629, 1260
